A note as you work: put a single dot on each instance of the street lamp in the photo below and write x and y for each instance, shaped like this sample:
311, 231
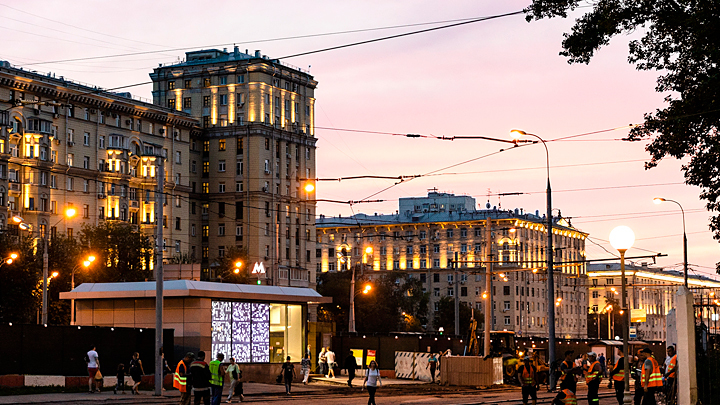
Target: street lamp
85, 263
69, 213
9, 259
622, 239
516, 134
238, 265
366, 289
659, 200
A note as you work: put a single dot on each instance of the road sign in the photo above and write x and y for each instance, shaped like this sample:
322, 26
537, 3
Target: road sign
633, 332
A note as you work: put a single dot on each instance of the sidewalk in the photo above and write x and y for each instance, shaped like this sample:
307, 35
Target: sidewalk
357, 382
147, 397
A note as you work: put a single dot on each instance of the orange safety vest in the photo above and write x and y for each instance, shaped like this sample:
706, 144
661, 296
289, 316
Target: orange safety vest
528, 377
655, 375
180, 382
591, 375
570, 398
619, 375
672, 367
565, 372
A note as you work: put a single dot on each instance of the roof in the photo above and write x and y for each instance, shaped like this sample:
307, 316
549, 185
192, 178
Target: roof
675, 276
617, 342
201, 289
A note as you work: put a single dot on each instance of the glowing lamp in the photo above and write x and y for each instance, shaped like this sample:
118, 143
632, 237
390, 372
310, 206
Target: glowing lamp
309, 187
369, 250
70, 212
517, 134
622, 238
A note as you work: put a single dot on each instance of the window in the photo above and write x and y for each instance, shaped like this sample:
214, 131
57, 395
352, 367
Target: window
221, 145
70, 159
463, 291
187, 103
238, 186
223, 99
436, 248
507, 320
101, 142
206, 82
450, 233
241, 78
171, 84
70, 183
239, 168
436, 263
71, 136
206, 168
171, 103
596, 294
177, 223
221, 229
221, 187
86, 162
205, 187
86, 139
193, 166
506, 290
221, 166
206, 101
506, 305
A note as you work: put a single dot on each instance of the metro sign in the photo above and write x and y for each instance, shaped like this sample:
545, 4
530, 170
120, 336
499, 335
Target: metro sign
258, 268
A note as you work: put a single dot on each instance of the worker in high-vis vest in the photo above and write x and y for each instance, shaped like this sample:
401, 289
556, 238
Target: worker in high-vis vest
180, 378
651, 377
565, 397
593, 376
217, 375
670, 371
617, 374
568, 372
528, 379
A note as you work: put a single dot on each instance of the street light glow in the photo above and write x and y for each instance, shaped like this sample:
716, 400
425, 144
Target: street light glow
516, 134
309, 187
367, 288
658, 200
91, 258
86, 263
54, 274
70, 212
622, 238
369, 250
13, 256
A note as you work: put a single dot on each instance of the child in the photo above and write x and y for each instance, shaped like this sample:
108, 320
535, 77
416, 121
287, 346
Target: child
120, 378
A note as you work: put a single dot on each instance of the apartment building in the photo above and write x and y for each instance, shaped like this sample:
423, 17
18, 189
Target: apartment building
651, 290
426, 233
64, 144
251, 161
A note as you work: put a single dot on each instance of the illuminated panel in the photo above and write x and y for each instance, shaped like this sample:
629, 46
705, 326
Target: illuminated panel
241, 330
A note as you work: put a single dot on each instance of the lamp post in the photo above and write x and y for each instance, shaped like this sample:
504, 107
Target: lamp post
86, 263
69, 213
659, 200
9, 259
622, 239
353, 294
516, 134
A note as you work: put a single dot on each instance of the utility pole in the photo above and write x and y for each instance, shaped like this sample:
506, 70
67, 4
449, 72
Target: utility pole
159, 276
488, 288
457, 298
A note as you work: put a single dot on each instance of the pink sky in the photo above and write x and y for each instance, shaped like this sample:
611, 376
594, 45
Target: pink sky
480, 79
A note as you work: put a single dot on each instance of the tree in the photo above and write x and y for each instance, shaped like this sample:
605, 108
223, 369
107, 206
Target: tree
225, 266
20, 281
445, 316
679, 42
123, 252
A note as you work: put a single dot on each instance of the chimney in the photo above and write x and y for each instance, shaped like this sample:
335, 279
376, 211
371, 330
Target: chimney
257, 53
236, 52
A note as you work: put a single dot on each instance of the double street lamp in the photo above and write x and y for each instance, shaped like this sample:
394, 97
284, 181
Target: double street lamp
622, 239
353, 294
85, 263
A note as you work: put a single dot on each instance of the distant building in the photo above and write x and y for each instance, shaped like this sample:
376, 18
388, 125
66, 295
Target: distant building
424, 235
250, 164
649, 289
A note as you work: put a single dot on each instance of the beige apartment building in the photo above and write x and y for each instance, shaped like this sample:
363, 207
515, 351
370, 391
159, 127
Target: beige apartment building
425, 233
250, 164
65, 144
651, 290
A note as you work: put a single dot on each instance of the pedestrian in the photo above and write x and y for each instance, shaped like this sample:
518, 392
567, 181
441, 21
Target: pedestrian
639, 392
528, 380
180, 378
651, 378
568, 374
603, 365
331, 364
617, 376
200, 376
120, 379
288, 372
217, 379
305, 367
593, 379
322, 362
670, 372
136, 372
233, 370
93, 365
165, 367
565, 397
372, 381
350, 364
432, 364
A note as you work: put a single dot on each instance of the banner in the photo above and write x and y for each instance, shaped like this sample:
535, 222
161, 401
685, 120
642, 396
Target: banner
370, 356
358, 354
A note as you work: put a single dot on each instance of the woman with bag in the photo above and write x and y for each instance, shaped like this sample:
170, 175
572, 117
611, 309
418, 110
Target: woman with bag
372, 380
136, 372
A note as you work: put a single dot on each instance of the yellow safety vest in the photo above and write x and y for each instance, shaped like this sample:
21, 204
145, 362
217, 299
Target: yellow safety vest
215, 378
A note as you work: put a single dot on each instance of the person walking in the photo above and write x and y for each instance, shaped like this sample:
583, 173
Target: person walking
180, 378
93, 365
528, 380
670, 372
639, 392
372, 381
593, 379
305, 367
136, 372
165, 367
350, 365
331, 364
568, 376
288, 372
603, 365
617, 376
322, 362
217, 379
432, 364
233, 370
120, 379
200, 376
651, 378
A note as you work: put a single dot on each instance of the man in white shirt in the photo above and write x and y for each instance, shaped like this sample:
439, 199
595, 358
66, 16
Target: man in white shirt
93, 366
330, 355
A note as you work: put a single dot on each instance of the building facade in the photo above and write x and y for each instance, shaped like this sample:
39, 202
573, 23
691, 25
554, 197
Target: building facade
651, 290
67, 145
427, 232
252, 160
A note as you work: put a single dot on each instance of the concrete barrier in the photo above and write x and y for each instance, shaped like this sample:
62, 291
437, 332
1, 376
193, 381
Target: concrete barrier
16, 381
471, 371
413, 366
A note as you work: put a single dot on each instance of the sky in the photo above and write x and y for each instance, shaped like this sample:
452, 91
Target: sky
481, 79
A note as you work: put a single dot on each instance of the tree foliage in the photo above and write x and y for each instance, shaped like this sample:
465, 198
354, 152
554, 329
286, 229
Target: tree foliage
123, 252
381, 310
445, 316
680, 40
225, 266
